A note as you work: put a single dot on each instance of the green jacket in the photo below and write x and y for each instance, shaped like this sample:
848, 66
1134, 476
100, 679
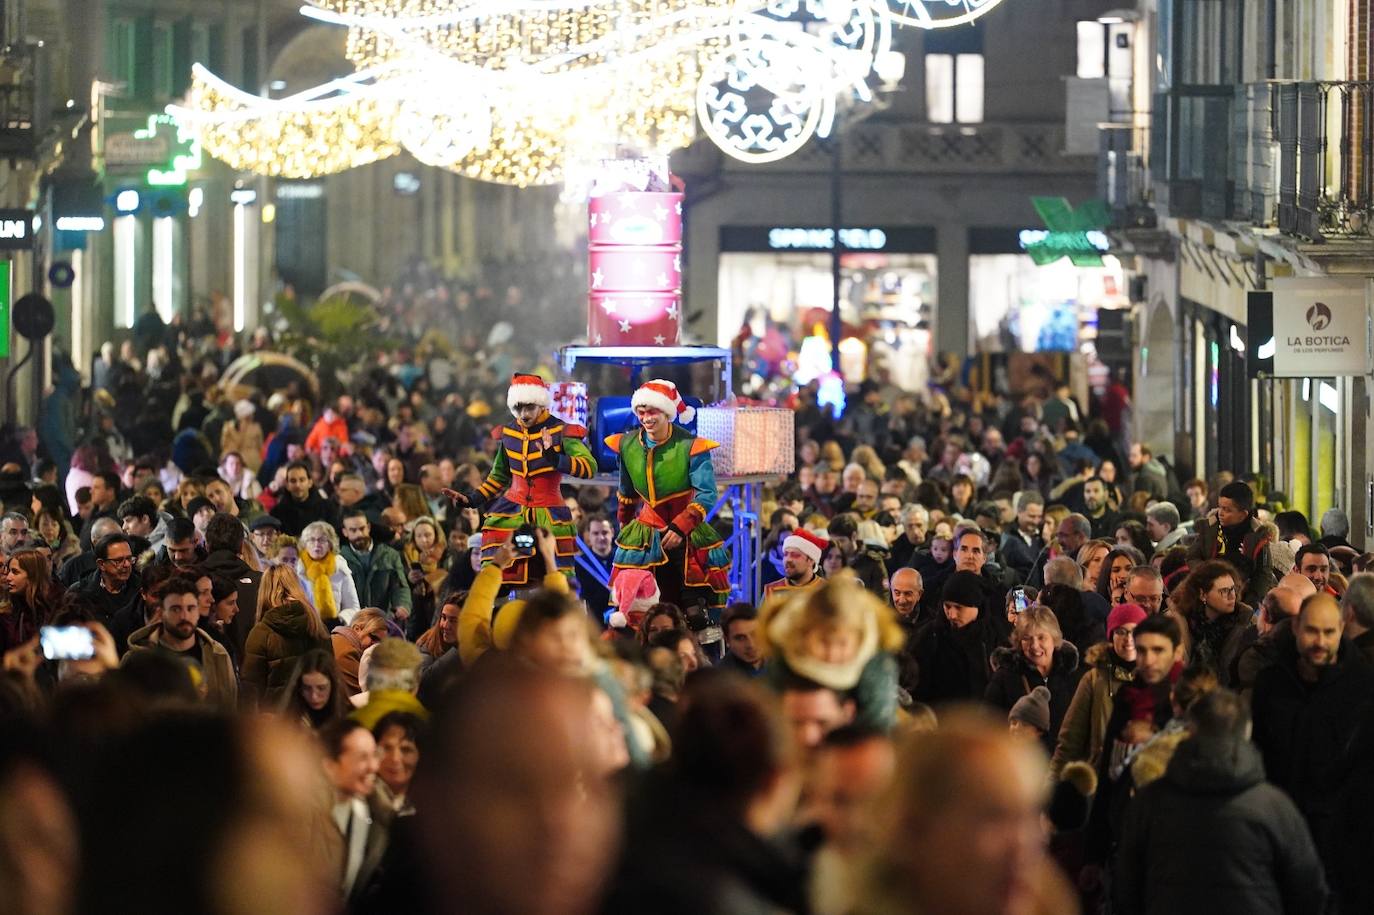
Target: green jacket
380, 577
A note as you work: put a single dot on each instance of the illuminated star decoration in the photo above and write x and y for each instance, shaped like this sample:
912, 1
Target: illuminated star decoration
597, 275
551, 87
624, 327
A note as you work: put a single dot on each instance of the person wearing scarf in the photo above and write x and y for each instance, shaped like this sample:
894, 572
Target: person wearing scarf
325, 574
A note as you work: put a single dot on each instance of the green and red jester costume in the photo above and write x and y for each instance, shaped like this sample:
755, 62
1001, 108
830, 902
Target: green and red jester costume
663, 486
523, 485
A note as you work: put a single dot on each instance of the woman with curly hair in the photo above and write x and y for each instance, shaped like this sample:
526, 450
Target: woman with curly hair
1213, 620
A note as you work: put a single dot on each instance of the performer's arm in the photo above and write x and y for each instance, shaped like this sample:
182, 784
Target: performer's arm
494, 483
575, 458
703, 479
627, 497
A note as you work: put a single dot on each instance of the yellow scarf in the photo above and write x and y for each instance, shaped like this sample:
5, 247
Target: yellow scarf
317, 573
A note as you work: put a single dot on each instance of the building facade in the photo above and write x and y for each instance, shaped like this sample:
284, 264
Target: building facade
1244, 165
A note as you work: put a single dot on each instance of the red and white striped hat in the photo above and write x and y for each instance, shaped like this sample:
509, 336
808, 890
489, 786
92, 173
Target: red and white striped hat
527, 389
662, 395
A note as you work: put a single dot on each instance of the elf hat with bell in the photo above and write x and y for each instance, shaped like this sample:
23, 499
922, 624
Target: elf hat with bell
663, 396
527, 389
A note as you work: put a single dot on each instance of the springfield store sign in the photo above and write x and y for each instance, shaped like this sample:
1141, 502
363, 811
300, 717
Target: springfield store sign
1322, 327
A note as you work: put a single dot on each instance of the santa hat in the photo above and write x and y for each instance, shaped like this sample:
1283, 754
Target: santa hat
635, 591
527, 389
663, 395
806, 543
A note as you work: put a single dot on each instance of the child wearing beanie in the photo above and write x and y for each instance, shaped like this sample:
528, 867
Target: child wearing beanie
1030, 716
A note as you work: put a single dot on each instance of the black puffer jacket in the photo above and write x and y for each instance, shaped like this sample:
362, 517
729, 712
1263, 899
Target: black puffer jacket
1014, 676
1213, 836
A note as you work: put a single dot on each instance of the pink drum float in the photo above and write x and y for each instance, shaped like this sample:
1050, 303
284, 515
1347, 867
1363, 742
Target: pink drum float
634, 269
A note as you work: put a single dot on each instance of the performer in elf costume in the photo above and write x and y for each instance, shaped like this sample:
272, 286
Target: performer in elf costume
523, 486
801, 560
667, 488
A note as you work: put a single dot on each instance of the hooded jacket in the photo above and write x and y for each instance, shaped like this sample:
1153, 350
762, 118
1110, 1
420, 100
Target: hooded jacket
274, 645
221, 686
1213, 836
1084, 728
228, 565
1014, 676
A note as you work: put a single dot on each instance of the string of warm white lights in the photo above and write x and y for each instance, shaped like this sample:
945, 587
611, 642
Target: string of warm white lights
525, 91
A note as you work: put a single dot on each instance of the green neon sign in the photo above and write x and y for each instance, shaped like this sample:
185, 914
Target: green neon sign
1075, 233
184, 161
4, 309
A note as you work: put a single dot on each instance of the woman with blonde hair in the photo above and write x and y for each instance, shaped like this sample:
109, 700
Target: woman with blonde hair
1038, 656
325, 574
288, 626
867, 458
1090, 559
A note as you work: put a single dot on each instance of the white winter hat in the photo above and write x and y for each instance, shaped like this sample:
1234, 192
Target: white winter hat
527, 389
663, 395
244, 409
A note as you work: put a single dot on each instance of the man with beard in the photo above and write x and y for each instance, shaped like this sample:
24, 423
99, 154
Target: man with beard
176, 632
522, 490
303, 503
1022, 545
1104, 521
1308, 708
801, 556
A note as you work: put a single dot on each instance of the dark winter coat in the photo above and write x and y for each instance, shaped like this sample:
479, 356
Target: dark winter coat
294, 515
228, 565
1213, 836
1014, 676
1306, 731
954, 664
704, 862
274, 646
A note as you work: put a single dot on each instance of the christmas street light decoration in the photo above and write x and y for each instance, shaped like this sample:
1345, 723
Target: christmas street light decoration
530, 92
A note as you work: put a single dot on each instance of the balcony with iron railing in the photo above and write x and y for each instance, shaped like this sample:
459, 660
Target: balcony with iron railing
1295, 156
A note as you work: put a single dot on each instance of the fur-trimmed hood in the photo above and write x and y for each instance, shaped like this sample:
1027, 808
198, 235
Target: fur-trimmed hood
1065, 658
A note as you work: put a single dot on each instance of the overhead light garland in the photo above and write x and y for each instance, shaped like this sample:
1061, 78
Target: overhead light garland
529, 92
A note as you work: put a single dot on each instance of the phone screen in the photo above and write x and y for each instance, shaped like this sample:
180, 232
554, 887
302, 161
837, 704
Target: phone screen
67, 643
1021, 601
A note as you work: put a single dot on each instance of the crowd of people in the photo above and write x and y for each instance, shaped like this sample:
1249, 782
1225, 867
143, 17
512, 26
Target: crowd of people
1007, 660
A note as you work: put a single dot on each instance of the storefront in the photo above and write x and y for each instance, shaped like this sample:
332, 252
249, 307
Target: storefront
1017, 305
779, 279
